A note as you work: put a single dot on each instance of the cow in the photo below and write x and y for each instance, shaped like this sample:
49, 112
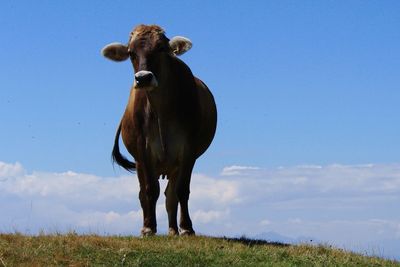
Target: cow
170, 121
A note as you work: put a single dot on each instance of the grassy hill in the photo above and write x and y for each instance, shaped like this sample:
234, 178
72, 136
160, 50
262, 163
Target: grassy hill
93, 250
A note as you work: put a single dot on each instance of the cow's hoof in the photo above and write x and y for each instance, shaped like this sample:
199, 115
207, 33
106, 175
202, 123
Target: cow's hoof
172, 232
185, 232
146, 231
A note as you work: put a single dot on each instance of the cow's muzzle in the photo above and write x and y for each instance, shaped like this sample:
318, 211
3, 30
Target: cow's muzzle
145, 80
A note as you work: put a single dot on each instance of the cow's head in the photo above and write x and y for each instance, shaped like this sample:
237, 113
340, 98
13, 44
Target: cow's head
149, 50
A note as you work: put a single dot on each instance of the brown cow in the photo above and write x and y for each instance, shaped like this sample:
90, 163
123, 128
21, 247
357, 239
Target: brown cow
170, 120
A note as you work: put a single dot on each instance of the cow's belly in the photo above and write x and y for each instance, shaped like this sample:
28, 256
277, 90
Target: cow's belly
155, 149
163, 157
164, 152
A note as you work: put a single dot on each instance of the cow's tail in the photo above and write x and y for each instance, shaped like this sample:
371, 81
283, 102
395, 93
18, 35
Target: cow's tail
118, 157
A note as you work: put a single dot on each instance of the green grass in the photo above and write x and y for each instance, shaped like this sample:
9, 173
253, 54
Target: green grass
94, 250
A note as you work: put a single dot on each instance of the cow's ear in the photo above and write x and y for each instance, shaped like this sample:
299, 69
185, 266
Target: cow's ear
179, 45
115, 52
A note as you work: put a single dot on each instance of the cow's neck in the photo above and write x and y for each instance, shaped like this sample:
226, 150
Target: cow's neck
162, 103
159, 105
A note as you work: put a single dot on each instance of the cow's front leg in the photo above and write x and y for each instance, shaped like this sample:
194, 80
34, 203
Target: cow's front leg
183, 191
148, 195
171, 203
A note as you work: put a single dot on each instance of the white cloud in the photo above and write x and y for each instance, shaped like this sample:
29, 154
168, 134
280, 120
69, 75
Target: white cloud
216, 191
398, 231
68, 184
238, 170
203, 217
295, 221
265, 222
110, 221
10, 170
340, 204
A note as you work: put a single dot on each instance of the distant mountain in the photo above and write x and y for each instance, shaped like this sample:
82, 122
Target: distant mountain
388, 248
276, 237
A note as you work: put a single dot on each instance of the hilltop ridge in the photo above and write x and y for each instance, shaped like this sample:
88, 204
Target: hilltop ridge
93, 250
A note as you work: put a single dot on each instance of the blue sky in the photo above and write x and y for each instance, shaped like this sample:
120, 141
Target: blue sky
296, 83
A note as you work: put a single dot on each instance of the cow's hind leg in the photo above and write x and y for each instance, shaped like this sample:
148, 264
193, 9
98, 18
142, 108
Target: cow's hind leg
183, 191
171, 203
148, 195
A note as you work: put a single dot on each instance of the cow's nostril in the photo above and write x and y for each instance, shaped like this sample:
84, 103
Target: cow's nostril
143, 77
